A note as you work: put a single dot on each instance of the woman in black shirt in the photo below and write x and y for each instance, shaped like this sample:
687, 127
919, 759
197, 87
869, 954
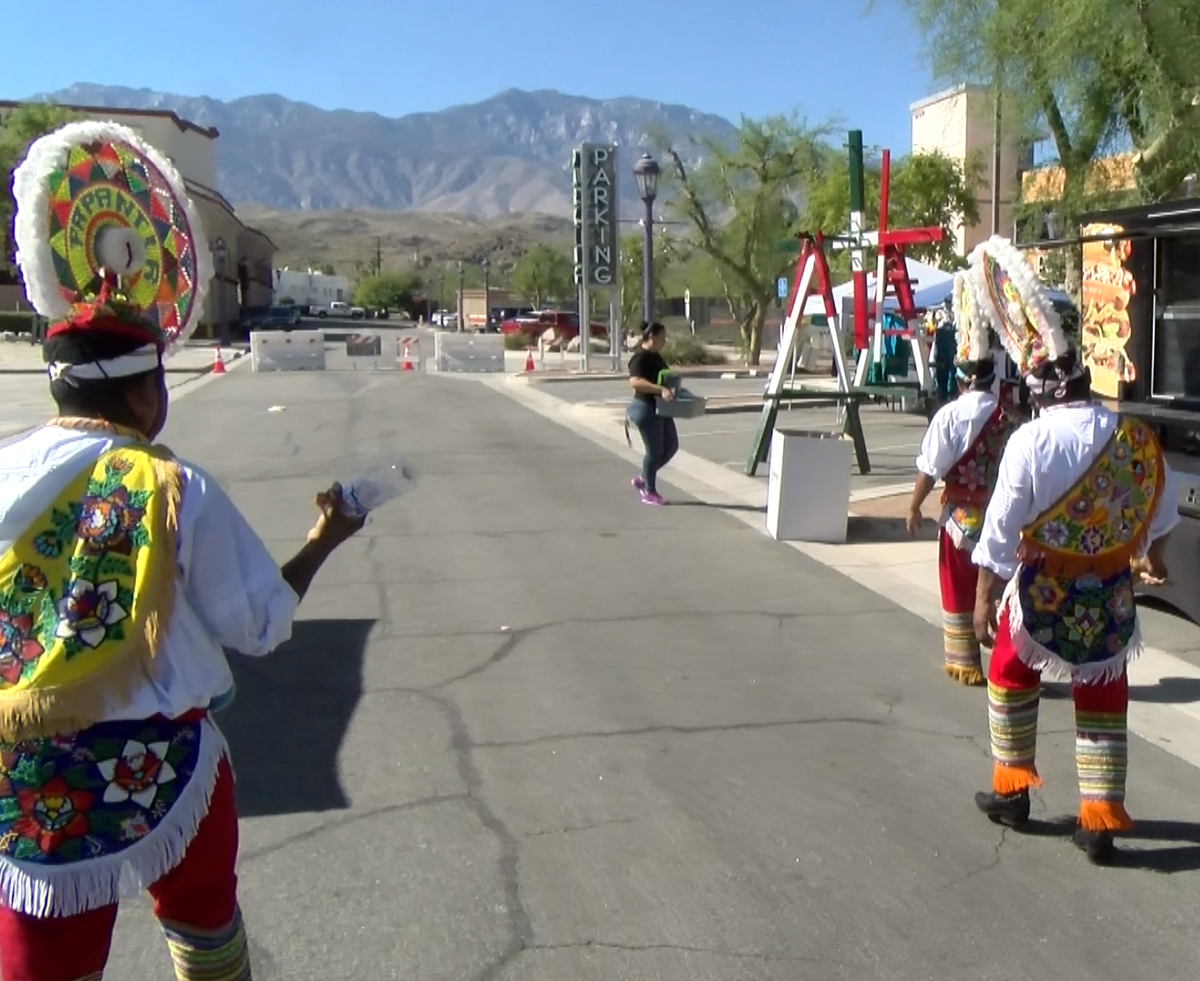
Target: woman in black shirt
647, 371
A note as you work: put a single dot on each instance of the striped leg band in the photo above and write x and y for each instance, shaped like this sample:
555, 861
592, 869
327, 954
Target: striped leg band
1012, 721
209, 955
963, 662
1102, 759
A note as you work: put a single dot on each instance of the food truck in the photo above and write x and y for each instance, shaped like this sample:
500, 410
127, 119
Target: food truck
1140, 332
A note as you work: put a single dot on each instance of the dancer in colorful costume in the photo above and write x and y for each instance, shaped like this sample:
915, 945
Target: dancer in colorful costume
123, 571
1083, 504
962, 447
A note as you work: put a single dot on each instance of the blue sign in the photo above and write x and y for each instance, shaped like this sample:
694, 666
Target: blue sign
782, 287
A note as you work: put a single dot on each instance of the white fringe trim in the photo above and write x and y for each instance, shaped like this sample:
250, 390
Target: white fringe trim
86, 885
1037, 658
31, 226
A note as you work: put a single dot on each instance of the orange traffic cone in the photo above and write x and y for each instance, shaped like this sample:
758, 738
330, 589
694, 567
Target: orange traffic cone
218, 367
529, 359
406, 364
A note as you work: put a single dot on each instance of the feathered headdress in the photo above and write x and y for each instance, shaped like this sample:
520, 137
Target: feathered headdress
108, 241
1015, 302
971, 327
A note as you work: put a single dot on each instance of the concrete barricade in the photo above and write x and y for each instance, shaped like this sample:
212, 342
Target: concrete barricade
297, 350
469, 352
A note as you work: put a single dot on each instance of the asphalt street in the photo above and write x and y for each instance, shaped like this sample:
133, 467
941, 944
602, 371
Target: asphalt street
529, 729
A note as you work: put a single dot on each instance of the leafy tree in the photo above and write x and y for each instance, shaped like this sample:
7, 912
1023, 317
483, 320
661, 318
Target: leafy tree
392, 290
1093, 74
543, 272
327, 269
927, 190
741, 205
632, 271
18, 129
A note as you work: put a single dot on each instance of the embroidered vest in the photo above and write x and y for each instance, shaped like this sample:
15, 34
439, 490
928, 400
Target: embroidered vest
1072, 600
86, 594
970, 482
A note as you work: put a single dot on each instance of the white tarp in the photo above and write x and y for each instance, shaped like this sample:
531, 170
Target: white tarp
925, 279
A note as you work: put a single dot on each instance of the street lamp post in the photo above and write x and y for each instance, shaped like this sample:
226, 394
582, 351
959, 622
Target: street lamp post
442, 299
462, 306
219, 254
646, 171
487, 299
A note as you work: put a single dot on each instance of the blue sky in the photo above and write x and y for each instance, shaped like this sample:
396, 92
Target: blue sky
724, 56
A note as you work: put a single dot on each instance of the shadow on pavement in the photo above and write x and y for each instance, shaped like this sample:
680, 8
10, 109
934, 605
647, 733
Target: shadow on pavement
293, 707
862, 530
751, 508
1169, 691
1184, 856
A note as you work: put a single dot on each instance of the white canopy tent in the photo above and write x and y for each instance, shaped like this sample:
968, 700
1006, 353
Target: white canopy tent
926, 279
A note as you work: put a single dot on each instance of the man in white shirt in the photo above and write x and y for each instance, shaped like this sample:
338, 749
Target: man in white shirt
1084, 502
962, 447
123, 572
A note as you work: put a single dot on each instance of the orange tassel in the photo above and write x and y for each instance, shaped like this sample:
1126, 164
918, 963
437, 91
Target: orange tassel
1007, 781
1104, 815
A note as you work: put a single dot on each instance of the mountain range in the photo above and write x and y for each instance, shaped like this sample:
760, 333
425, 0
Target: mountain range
506, 155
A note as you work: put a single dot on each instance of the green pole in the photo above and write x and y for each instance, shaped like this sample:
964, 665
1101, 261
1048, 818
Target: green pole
857, 204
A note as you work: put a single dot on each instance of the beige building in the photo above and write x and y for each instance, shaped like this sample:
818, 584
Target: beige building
243, 257
473, 308
960, 123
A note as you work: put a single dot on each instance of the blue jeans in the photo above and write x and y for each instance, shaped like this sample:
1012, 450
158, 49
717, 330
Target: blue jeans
659, 436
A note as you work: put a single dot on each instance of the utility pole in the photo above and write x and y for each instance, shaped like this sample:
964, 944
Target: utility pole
378, 255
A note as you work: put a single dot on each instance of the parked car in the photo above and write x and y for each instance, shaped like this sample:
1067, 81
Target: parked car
565, 324
270, 318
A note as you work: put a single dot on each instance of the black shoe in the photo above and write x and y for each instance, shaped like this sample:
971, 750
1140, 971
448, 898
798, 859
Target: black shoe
1012, 811
1098, 845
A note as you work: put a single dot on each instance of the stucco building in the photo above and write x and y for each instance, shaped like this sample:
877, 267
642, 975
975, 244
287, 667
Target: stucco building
961, 124
243, 256
308, 287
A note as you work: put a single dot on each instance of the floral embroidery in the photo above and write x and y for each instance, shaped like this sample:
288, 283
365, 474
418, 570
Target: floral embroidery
68, 588
88, 612
19, 647
1079, 620
137, 773
1107, 510
972, 479
95, 793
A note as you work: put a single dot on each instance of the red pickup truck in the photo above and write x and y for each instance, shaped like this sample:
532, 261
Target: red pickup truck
565, 324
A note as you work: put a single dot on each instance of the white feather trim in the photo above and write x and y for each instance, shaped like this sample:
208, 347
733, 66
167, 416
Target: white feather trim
1030, 330
31, 227
971, 326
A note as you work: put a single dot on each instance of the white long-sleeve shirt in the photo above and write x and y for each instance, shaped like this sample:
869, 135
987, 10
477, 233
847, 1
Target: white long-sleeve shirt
953, 431
1043, 460
230, 591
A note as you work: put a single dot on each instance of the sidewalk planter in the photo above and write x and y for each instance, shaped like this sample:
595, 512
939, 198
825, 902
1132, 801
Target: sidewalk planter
808, 489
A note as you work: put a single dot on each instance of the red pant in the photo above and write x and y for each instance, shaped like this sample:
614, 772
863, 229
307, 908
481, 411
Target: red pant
958, 579
200, 892
1101, 735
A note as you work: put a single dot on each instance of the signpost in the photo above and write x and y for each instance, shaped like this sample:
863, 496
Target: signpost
594, 168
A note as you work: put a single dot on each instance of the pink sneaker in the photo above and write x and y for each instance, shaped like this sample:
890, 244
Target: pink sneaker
638, 484
653, 499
